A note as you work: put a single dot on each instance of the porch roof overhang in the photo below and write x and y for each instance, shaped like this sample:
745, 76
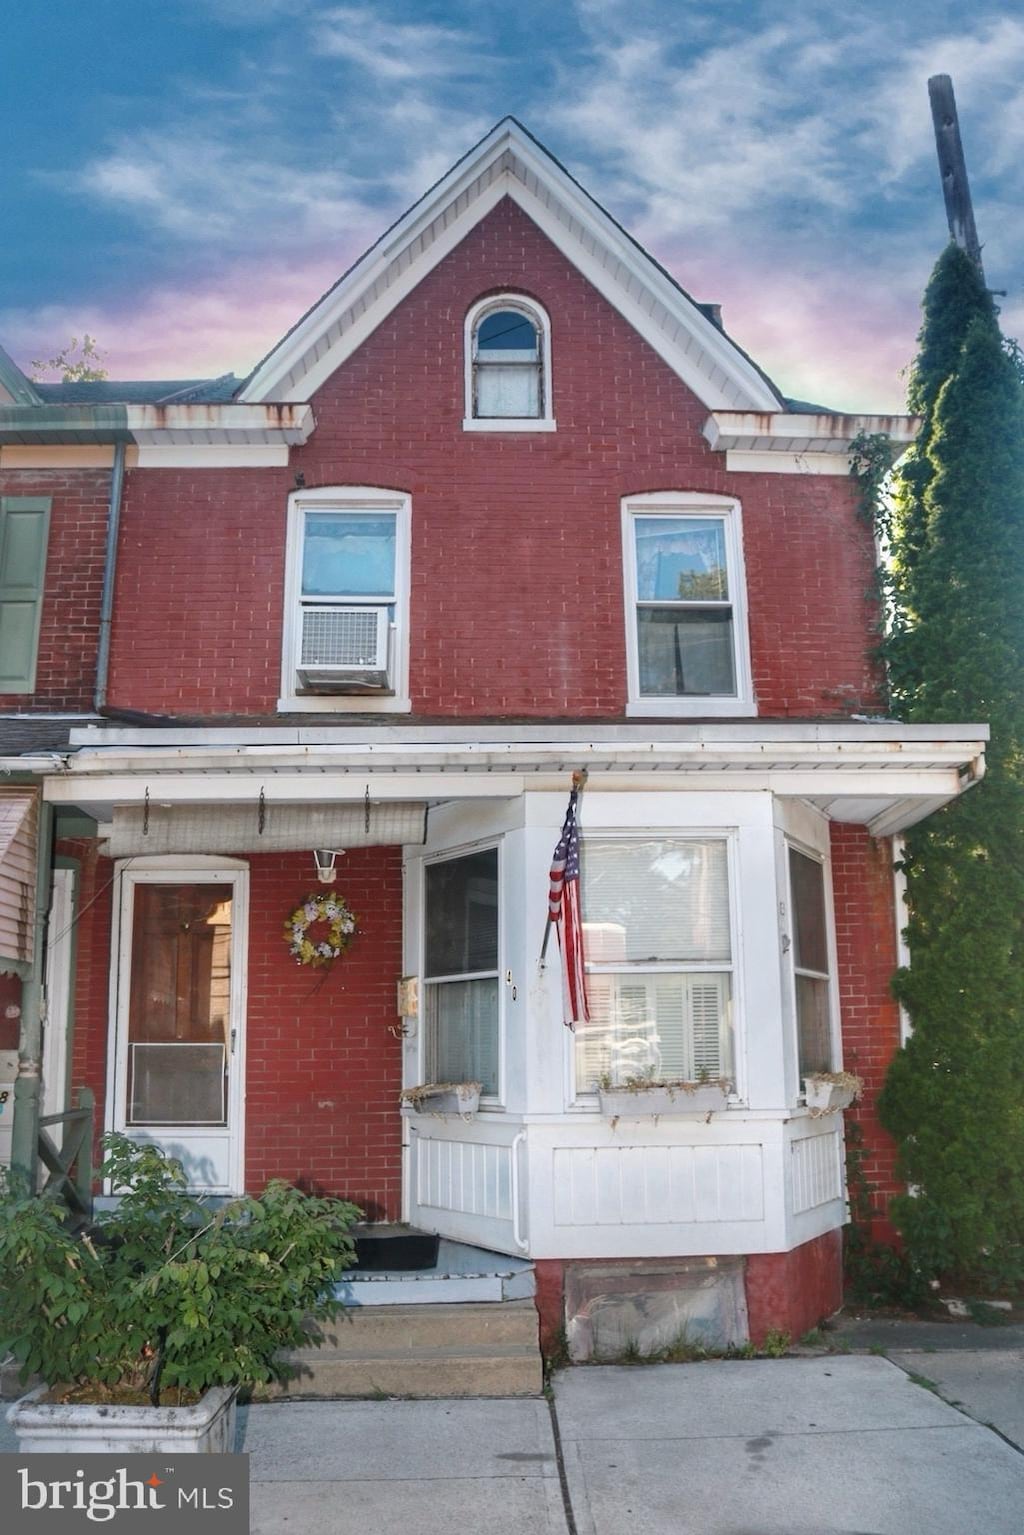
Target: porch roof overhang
880, 774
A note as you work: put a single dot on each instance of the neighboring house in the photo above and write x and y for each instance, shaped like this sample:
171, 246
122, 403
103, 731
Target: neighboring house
506, 504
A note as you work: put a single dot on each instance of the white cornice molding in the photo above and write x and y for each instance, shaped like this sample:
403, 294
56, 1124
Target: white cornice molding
167, 426
508, 163
748, 437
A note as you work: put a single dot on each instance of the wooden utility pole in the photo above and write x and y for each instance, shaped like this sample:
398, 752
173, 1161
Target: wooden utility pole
953, 168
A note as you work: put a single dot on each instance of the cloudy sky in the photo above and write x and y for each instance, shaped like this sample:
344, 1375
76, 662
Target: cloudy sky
182, 178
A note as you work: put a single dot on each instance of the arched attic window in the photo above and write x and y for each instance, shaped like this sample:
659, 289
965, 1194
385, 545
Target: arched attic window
508, 366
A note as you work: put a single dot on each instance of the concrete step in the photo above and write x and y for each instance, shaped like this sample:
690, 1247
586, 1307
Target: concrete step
422, 1351
407, 1329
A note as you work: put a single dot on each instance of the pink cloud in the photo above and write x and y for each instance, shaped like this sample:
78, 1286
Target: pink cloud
821, 337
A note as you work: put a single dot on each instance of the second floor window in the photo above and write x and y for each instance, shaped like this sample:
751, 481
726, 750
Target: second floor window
685, 611
346, 635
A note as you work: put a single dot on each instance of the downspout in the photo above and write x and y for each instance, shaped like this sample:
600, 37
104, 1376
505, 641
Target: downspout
25, 1130
109, 569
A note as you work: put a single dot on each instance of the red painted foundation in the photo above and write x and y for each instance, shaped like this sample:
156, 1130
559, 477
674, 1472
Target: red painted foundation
792, 1292
786, 1292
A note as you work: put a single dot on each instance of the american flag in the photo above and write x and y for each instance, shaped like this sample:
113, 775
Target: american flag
564, 915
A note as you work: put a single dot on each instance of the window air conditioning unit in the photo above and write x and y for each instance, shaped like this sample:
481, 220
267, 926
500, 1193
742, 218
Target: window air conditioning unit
345, 650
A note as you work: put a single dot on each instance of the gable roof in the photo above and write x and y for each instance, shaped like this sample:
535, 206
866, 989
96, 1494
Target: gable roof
510, 162
180, 391
15, 388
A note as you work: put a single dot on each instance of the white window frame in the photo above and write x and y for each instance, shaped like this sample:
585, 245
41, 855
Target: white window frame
345, 498
816, 855
698, 505
178, 869
496, 844
534, 312
587, 1098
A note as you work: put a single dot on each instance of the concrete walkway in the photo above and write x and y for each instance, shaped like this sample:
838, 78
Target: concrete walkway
832, 1445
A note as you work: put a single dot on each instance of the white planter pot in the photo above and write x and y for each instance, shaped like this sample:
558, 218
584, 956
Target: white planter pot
621, 1103
80, 1428
824, 1096
463, 1099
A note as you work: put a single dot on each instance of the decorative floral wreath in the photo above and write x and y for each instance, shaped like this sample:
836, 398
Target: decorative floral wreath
341, 929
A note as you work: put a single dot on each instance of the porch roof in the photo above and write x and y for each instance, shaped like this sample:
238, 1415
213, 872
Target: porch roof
878, 773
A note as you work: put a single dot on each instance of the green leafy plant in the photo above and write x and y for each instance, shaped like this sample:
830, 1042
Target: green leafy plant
163, 1291
776, 1343
955, 652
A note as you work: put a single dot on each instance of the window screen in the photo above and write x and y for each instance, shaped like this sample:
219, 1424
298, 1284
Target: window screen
461, 969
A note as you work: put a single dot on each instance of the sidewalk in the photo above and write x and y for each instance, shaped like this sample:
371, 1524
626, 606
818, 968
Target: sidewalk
797, 1446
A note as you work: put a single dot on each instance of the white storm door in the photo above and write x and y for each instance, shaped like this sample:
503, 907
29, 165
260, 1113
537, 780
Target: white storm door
179, 1014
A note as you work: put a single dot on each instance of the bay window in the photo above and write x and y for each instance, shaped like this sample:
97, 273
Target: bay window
461, 970
812, 975
658, 940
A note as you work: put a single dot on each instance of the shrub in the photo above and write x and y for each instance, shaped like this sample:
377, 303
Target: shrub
164, 1290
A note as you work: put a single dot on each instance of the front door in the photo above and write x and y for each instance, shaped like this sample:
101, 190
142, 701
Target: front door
179, 1018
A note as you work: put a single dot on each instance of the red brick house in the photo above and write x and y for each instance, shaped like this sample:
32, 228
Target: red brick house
505, 505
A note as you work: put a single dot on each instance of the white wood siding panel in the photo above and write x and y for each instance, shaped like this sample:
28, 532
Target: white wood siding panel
816, 1171
19, 820
468, 1177
657, 1185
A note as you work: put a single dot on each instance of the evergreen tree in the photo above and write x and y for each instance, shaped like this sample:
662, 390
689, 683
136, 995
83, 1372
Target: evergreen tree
954, 1097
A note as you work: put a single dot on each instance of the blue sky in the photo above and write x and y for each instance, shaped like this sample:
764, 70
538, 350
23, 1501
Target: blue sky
183, 178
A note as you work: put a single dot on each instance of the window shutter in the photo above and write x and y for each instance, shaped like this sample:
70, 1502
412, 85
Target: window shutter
24, 527
706, 1021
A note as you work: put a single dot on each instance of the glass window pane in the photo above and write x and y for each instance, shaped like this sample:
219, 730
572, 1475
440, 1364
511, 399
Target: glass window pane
670, 1028
462, 1033
179, 1001
686, 652
462, 914
512, 391
810, 938
681, 559
177, 1085
813, 1024
506, 330
349, 554
657, 900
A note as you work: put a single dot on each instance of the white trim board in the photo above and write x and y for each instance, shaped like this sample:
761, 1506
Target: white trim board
509, 163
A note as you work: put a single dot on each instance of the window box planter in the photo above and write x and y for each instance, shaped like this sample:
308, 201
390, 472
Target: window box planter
664, 1098
827, 1091
442, 1098
81, 1428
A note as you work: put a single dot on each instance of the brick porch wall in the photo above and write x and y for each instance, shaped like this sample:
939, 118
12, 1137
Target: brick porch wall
323, 1072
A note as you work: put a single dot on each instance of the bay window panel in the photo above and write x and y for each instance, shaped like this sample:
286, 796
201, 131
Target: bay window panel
686, 651
814, 1024
810, 934
462, 914
663, 1027
462, 1032
659, 900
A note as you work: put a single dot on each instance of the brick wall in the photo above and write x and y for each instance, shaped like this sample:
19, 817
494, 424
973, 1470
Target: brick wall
323, 1072
69, 631
866, 943
517, 600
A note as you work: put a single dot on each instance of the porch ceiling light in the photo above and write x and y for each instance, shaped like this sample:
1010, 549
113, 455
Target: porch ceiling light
324, 858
